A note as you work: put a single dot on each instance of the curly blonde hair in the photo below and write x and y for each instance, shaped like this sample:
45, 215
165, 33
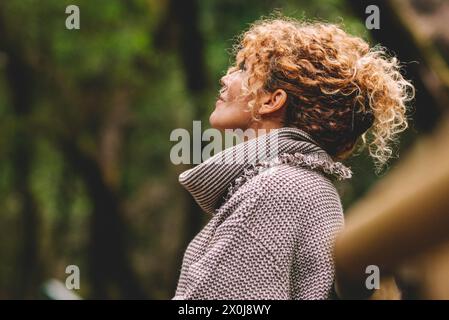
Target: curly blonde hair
339, 89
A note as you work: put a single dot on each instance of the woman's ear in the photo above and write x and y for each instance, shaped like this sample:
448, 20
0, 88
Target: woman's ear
273, 102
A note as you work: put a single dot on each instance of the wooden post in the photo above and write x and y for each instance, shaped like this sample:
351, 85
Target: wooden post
404, 215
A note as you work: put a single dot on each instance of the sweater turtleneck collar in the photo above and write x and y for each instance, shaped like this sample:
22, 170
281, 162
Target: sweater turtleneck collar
212, 180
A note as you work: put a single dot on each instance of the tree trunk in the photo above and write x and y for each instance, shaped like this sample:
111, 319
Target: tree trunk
109, 266
20, 79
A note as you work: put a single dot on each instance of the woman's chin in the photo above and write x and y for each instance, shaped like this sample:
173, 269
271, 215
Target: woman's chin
213, 121
223, 119
216, 122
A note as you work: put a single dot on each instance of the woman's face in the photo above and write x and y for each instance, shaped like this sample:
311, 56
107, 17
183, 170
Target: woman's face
231, 109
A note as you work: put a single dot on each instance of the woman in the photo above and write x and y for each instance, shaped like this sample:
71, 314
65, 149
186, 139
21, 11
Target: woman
318, 92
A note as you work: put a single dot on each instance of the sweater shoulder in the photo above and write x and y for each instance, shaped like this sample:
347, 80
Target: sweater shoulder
290, 181
285, 207
287, 193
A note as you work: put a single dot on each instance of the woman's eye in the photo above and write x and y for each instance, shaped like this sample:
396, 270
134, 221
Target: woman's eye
242, 66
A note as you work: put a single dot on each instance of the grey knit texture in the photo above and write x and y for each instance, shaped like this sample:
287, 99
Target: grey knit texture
274, 222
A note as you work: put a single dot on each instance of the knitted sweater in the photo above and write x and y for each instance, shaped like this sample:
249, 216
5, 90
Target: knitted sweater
274, 217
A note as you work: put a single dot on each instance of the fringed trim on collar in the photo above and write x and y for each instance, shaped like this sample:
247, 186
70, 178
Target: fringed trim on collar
315, 161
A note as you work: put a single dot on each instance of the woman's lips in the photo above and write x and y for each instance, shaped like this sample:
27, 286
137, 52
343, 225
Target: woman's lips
220, 101
221, 94
220, 98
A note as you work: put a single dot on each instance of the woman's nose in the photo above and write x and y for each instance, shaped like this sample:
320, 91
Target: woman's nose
223, 80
